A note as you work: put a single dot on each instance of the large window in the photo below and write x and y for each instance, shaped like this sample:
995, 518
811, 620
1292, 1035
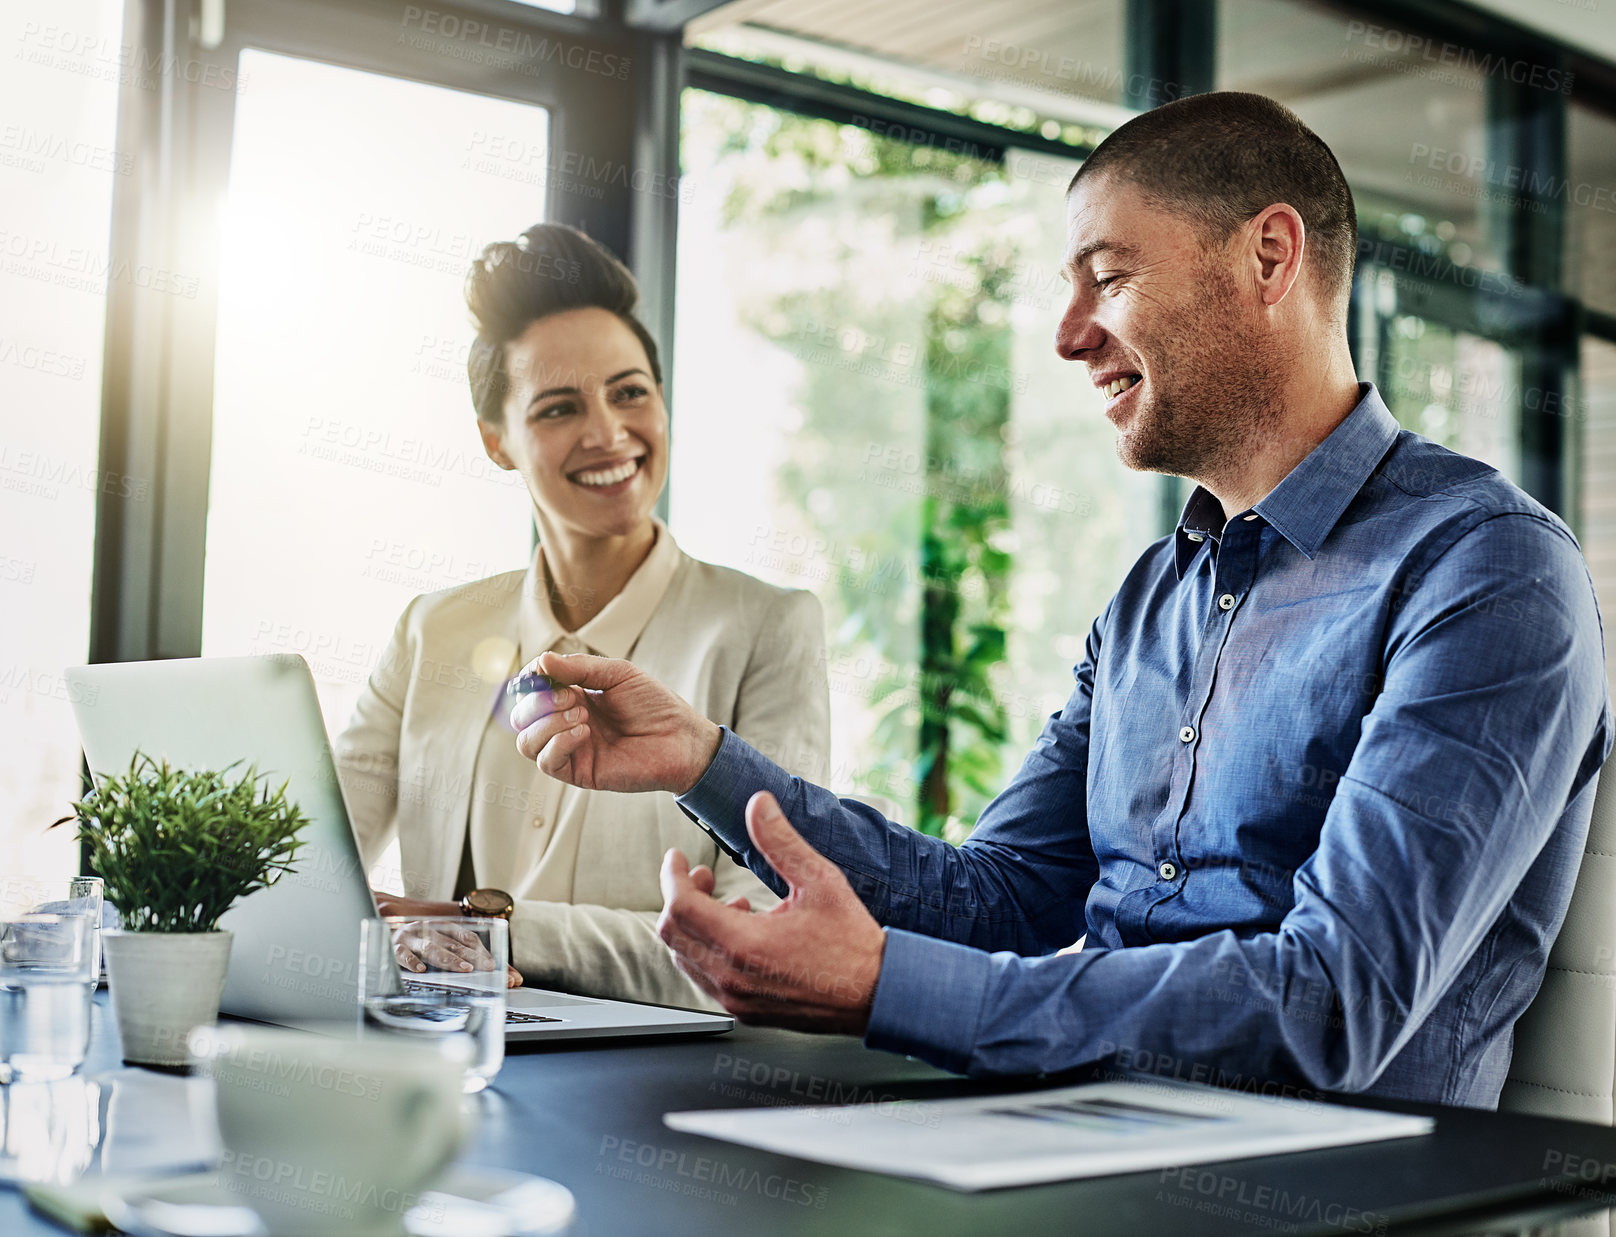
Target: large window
873, 381
1455, 388
863, 361
347, 472
58, 166
1590, 232
1411, 133
791, 260
1590, 269
1399, 120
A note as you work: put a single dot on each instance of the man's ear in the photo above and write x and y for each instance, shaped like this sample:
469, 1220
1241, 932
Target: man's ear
1278, 241
494, 443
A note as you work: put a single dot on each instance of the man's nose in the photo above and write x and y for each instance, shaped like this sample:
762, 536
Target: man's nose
1077, 334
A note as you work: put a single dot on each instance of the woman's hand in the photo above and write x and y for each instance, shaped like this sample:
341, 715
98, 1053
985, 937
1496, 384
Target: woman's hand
446, 949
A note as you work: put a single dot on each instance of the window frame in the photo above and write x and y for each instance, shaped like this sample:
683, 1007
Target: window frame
158, 371
157, 387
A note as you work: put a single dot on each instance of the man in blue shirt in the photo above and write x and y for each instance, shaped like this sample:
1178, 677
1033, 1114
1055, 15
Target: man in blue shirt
1319, 796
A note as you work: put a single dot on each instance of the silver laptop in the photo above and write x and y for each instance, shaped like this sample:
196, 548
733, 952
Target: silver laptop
294, 960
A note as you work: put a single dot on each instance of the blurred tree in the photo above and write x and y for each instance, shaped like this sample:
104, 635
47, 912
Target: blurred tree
908, 373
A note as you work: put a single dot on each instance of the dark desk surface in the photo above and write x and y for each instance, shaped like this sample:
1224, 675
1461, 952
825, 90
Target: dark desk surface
591, 1118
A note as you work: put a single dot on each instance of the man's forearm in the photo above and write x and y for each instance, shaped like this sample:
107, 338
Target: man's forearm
906, 879
1205, 1011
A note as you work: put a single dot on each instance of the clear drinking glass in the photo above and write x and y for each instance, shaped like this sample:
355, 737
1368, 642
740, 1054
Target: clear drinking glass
46, 977
77, 895
49, 1131
458, 990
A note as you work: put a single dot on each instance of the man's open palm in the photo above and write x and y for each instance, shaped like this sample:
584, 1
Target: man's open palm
809, 963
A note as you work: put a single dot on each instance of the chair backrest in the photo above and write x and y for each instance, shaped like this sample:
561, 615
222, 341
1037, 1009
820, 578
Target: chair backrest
1565, 1043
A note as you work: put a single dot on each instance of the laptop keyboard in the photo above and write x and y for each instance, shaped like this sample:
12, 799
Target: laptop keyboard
513, 1018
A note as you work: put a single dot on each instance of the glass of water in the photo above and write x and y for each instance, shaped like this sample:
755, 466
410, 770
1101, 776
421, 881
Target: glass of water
435, 977
46, 977
77, 895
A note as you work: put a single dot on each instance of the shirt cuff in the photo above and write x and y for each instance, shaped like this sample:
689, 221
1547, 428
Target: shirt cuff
928, 1000
718, 799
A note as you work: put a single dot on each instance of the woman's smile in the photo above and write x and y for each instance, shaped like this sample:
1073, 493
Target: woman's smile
609, 479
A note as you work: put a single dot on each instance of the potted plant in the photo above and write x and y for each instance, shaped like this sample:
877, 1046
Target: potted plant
175, 850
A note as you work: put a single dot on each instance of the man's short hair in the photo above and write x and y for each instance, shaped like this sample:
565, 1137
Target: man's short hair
1221, 158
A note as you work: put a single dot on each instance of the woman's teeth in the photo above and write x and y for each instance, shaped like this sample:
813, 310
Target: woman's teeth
1116, 388
608, 476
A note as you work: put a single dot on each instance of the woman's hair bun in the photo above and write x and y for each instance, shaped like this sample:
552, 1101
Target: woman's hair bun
549, 269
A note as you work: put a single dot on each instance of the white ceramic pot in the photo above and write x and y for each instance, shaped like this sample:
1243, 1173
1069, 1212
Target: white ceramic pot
163, 984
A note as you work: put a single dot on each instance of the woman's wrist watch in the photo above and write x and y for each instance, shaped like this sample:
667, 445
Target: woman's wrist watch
487, 904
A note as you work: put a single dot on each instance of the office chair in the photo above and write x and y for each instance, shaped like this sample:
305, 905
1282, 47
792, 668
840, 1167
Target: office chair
1565, 1043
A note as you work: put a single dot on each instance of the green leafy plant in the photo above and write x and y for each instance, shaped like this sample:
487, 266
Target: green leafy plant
178, 848
904, 318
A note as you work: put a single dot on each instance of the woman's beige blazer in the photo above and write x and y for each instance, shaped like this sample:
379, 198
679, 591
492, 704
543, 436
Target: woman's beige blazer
414, 759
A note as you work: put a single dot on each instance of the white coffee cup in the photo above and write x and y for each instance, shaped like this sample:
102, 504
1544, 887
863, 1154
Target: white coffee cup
332, 1136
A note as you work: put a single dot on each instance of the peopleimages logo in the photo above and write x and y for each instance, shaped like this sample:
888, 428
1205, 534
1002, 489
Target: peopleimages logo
36, 145
481, 43
1537, 186
1434, 53
84, 269
128, 64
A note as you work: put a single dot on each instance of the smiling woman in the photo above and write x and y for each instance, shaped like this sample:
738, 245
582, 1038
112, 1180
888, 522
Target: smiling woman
568, 391
590, 442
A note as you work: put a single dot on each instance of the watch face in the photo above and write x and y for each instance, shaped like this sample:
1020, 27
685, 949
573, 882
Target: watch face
489, 901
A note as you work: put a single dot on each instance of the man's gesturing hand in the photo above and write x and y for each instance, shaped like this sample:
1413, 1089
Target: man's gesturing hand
810, 963
610, 726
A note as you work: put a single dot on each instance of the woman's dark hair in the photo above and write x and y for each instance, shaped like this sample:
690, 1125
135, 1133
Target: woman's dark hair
549, 269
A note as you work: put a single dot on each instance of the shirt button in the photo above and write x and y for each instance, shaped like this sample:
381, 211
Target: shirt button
1251, 517
1187, 735
1195, 536
1226, 602
1167, 870
538, 822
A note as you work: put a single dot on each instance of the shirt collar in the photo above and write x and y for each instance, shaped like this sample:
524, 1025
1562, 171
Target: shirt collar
614, 631
1305, 506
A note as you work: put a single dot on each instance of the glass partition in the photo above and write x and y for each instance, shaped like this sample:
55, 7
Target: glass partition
58, 164
347, 472
869, 406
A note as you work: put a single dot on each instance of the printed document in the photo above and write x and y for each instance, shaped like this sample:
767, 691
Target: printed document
1093, 1130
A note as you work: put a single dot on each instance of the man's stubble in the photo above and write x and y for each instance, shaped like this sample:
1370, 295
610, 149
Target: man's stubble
1214, 399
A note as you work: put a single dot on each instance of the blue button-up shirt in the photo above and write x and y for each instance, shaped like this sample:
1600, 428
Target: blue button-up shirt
1317, 801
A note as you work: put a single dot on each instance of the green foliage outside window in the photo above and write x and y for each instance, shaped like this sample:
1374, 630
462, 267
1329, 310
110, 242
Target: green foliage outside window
904, 327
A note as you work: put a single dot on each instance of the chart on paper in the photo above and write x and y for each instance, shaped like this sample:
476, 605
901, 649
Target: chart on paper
1093, 1130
